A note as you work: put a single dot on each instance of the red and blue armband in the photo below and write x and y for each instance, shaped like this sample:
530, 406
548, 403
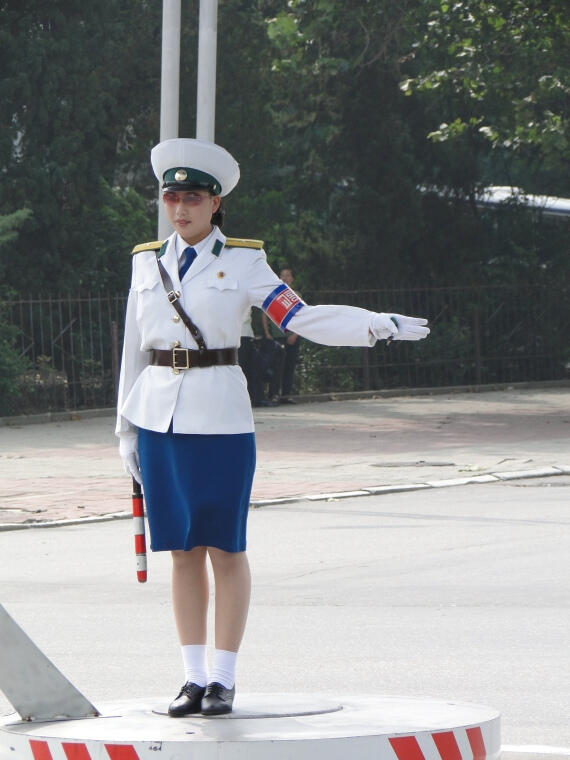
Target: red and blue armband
281, 305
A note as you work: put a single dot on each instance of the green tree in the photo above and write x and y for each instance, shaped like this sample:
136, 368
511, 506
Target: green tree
339, 113
10, 226
74, 84
343, 141
495, 80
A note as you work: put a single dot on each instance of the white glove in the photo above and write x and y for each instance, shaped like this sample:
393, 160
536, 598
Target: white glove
129, 452
398, 327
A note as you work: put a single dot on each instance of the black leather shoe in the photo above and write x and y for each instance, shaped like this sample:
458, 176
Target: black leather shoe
188, 702
217, 700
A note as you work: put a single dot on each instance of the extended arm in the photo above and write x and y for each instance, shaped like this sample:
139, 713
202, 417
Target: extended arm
330, 325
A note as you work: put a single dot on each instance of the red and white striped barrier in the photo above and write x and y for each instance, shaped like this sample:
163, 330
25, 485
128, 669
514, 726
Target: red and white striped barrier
450, 745
267, 727
460, 744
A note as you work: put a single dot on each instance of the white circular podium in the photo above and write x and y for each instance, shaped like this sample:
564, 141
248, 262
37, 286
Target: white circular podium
266, 727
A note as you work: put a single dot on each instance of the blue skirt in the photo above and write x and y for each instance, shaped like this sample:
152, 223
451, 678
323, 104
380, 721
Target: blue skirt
197, 488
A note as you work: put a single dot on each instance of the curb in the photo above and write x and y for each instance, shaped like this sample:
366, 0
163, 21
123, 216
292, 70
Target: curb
44, 417
496, 477
442, 390
84, 414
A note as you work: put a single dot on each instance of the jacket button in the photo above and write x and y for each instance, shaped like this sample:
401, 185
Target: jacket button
176, 318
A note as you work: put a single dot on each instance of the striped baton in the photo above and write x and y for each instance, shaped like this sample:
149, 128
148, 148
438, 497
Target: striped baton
140, 541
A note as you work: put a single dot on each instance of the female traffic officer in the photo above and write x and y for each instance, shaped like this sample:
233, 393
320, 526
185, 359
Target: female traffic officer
184, 417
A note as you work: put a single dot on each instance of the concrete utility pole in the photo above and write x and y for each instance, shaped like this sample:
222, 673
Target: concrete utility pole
169, 88
170, 79
207, 48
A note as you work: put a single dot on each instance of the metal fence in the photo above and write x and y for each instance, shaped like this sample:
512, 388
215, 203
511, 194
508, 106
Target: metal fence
72, 345
479, 335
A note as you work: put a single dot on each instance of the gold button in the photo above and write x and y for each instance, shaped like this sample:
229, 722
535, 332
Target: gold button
176, 344
221, 274
176, 318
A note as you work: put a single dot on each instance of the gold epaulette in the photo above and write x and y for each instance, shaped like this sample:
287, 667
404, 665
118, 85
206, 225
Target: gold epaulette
154, 246
243, 243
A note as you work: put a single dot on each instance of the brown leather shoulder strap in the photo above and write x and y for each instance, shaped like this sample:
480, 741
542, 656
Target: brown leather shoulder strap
173, 297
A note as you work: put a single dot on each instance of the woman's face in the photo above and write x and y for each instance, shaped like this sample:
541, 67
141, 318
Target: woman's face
190, 212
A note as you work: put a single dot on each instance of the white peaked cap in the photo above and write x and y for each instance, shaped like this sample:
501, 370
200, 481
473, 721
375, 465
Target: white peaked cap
186, 160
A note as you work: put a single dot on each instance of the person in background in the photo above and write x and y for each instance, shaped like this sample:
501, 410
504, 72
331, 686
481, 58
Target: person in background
184, 417
250, 361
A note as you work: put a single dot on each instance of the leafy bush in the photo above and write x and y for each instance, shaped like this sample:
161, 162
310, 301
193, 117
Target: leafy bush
12, 367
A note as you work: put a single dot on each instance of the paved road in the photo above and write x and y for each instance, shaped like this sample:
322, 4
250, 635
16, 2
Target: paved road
71, 470
456, 593
459, 593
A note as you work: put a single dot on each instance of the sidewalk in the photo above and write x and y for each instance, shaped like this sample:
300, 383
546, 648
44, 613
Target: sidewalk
71, 470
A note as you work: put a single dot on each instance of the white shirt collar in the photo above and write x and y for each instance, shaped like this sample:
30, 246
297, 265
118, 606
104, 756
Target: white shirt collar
202, 245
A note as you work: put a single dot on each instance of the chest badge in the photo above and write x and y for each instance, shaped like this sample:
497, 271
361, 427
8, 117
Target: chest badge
220, 275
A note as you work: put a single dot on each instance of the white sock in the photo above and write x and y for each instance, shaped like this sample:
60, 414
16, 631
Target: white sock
223, 668
195, 663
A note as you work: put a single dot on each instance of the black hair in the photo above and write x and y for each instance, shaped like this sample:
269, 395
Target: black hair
218, 216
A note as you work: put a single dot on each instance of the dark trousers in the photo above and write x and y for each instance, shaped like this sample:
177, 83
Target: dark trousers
289, 364
272, 357
250, 361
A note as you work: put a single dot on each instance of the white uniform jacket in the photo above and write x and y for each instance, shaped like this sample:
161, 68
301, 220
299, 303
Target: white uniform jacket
219, 288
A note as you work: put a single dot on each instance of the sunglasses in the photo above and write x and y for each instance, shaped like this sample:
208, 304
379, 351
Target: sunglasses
188, 198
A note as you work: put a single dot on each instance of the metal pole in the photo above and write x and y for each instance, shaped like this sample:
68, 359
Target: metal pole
207, 47
169, 87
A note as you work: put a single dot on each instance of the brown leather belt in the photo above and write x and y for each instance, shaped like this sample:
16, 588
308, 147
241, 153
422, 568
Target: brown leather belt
186, 358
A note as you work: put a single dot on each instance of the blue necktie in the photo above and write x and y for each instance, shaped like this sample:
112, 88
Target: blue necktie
186, 261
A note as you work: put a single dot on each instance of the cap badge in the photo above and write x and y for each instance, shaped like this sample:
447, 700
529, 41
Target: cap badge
181, 175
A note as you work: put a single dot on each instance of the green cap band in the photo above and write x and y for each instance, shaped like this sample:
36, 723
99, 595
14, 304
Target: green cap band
182, 176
